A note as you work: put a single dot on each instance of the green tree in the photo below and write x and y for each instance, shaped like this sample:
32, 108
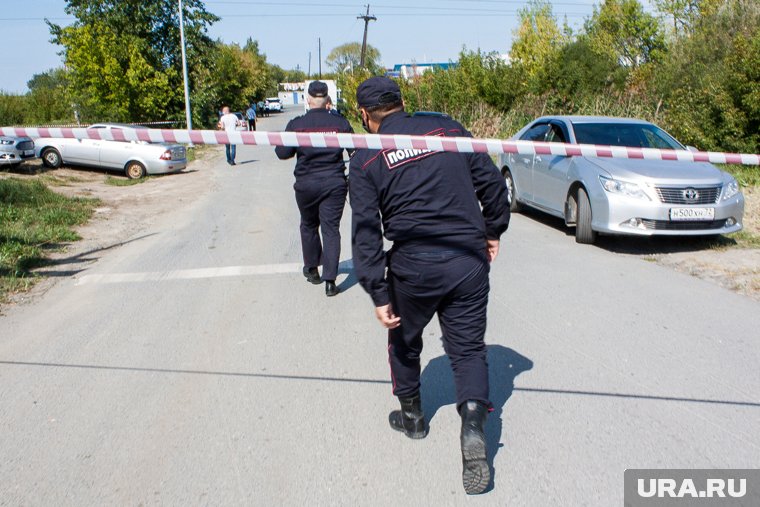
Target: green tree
346, 58
683, 15
235, 76
623, 30
709, 80
133, 70
111, 79
537, 40
12, 109
48, 100
578, 70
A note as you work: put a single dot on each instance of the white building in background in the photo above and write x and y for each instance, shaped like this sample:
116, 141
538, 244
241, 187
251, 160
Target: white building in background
295, 93
410, 70
291, 93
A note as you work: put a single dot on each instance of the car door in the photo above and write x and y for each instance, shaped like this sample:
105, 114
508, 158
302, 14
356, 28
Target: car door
521, 165
82, 152
550, 173
115, 154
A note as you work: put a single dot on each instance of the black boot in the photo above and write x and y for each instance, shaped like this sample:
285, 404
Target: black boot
476, 475
312, 275
410, 420
331, 289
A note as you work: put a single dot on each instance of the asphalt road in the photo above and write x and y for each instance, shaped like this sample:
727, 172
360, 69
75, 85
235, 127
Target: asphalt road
195, 366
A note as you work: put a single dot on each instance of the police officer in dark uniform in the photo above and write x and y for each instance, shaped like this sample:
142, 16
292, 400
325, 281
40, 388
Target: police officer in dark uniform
429, 205
320, 189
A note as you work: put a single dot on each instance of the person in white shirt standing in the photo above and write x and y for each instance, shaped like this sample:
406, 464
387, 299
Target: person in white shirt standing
228, 122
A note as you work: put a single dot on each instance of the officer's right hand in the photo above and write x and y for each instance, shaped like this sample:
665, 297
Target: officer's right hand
387, 318
492, 249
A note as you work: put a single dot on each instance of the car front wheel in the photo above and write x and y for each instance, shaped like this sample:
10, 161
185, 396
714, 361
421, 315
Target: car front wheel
583, 232
51, 158
510, 181
135, 170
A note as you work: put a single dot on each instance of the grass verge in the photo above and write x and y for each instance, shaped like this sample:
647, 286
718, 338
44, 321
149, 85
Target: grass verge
33, 220
746, 175
124, 182
197, 151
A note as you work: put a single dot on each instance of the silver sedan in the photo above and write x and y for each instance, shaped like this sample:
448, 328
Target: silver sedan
134, 159
620, 196
14, 150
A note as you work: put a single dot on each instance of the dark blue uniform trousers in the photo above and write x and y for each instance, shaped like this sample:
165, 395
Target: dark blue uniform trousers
456, 286
321, 202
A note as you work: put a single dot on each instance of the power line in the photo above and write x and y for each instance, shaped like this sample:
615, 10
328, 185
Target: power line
406, 7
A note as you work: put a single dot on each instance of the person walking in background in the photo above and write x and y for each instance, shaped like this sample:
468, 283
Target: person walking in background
263, 111
320, 189
331, 107
228, 122
250, 113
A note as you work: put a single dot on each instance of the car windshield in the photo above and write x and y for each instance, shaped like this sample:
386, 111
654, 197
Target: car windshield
635, 135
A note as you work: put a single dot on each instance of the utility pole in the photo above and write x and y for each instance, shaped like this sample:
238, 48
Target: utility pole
308, 74
320, 57
188, 116
367, 18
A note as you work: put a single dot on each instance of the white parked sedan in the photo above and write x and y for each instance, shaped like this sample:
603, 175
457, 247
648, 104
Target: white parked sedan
134, 158
621, 196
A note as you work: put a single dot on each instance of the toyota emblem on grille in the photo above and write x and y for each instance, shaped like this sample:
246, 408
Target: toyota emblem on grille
690, 194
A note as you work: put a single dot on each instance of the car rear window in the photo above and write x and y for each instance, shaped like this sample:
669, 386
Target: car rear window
635, 135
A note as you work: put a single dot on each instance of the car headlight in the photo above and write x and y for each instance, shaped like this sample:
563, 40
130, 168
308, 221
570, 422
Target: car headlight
623, 188
730, 189
6, 141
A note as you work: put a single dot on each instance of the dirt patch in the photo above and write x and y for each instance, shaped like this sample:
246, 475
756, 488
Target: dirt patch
733, 267
752, 210
123, 213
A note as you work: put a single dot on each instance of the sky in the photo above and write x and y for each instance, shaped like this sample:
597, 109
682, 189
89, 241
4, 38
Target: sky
406, 31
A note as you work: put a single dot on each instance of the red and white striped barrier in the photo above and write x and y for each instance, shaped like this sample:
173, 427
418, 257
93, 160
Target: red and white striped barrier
384, 142
84, 125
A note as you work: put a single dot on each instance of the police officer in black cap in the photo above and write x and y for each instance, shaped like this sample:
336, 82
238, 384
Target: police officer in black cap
444, 213
320, 189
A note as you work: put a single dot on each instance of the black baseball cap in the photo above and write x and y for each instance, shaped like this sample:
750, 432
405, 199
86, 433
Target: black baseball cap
318, 89
377, 91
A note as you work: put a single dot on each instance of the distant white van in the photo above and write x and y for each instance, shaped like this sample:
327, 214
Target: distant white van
273, 104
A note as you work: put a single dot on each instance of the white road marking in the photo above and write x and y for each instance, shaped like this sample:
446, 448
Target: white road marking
190, 274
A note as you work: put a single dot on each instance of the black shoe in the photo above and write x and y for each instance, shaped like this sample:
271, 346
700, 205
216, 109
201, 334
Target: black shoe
312, 275
476, 474
409, 420
331, 289
233, 163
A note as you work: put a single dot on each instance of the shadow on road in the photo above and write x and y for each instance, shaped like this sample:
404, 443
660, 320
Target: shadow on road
347, 268
636, 245
78, 259
504, 365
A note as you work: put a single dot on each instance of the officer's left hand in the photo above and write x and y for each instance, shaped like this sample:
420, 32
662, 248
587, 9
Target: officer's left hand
492, 249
